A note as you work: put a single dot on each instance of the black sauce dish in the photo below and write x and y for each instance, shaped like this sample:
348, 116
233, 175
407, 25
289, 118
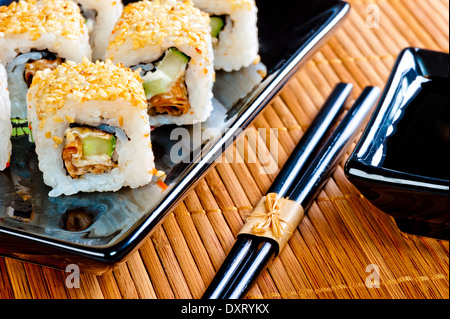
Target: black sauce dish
401, 163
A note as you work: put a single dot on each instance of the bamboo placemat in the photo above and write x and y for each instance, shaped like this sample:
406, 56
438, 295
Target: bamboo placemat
342, 233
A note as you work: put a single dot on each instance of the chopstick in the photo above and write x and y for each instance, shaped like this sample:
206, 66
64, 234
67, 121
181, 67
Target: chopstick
312, 139
251, 254
295, 165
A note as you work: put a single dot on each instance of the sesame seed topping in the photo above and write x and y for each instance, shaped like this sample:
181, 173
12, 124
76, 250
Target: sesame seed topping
150, 23
83, 82
57, 139
42, 122
233, 4
40, 17
70, 119
57, 119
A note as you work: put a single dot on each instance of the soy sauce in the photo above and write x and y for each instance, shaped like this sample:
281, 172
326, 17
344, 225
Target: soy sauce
420, 142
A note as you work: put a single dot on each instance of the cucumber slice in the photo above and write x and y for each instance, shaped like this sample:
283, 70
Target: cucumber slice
93, 146
167, 72
156, 83
217, 24
20, 127
173, 63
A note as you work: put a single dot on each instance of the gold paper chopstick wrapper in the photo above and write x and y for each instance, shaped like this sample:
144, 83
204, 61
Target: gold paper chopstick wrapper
274, 218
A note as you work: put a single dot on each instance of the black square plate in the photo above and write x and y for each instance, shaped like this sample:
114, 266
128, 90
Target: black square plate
33, 227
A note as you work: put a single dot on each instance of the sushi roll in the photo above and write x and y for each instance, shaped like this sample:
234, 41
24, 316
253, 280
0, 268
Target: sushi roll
234, 32
100, 17
35, 35
5, 124
91, 128
170, 44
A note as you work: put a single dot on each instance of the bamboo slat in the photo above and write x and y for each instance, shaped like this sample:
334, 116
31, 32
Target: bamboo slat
342, 233
36, 281
140, 277
172, 269
6, 291
156, 271
184, 257
18, 279
125, 282
225, 203
108, 286
194, 242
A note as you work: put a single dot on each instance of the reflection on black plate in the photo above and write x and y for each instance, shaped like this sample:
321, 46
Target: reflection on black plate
97, 230
401, 162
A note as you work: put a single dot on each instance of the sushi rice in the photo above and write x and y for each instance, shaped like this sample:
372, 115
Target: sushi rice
101, 16
91, 94
50, 30
146, 30
5, 123
237, 43
55, 25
